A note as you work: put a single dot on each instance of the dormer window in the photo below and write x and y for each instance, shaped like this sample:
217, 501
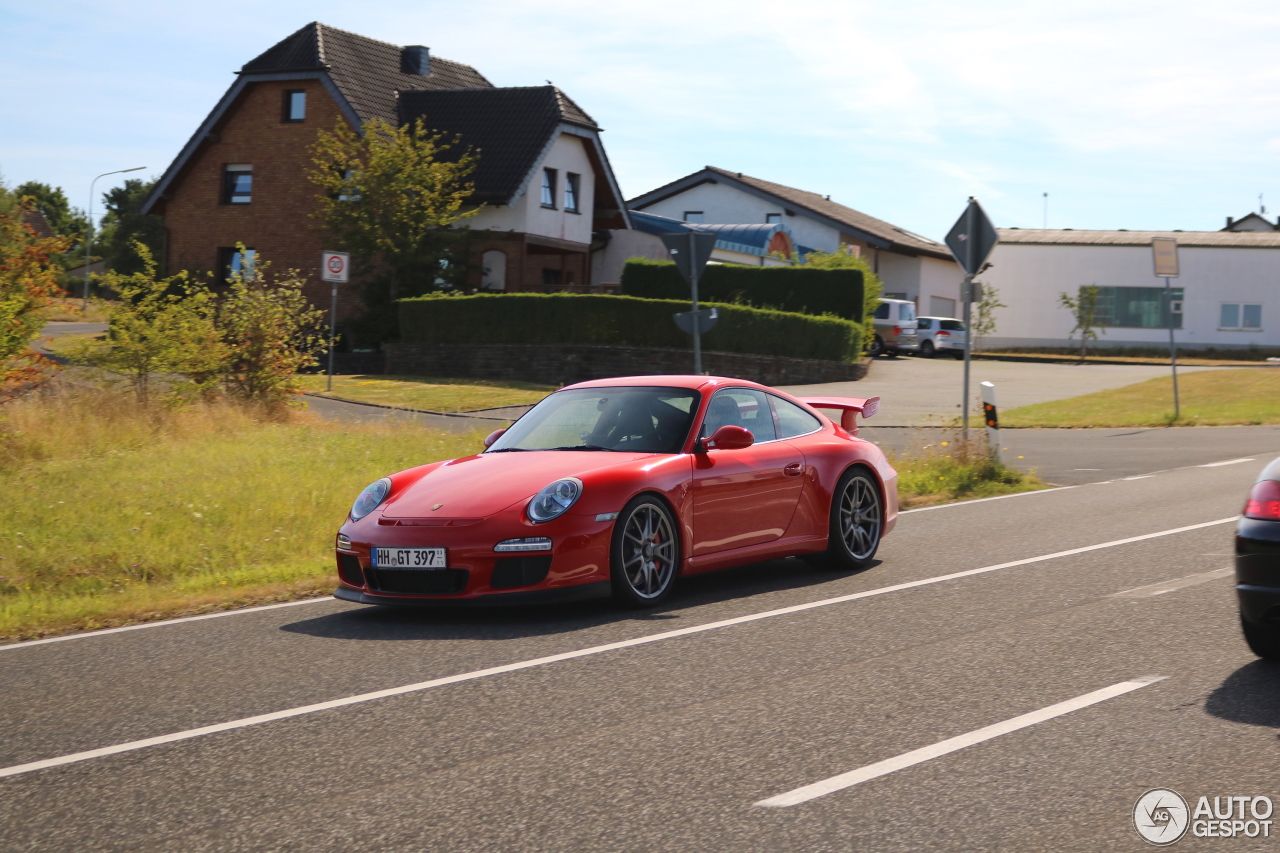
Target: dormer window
693, 216
237, 184
549, 188
295, 105
572, 183
772, 218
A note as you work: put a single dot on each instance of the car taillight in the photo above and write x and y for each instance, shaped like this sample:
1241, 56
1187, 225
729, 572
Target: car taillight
1264, 501
897, 330
943, 335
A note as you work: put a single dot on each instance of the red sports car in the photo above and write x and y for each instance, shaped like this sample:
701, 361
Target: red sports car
619, 486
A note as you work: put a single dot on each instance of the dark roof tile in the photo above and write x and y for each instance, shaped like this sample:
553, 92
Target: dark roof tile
366, 71
509, 127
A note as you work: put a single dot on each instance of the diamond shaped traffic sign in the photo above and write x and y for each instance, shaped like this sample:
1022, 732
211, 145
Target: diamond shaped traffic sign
972, 238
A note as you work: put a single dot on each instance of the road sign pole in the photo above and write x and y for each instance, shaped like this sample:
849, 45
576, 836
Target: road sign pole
333, 316
966, 292
1173, 349
697, 333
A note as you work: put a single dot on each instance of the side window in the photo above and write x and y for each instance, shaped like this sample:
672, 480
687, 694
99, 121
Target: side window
882, 311
740, 407
793, 420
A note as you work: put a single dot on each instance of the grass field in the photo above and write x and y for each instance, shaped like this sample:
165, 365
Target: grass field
69, 309
432, 393
116, 515
1209, 398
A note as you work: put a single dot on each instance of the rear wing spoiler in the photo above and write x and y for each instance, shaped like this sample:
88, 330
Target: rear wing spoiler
849, 408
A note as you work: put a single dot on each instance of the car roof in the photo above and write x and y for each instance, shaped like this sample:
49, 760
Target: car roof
669, 381
937, 317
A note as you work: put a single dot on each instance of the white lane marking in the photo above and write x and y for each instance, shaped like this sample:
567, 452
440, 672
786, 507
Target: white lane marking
1139, 477
1173, 585
161, 624
1228, 462
984, 500
927, 753
18, 769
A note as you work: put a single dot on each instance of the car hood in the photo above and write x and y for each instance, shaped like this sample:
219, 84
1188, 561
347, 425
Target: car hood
481, 485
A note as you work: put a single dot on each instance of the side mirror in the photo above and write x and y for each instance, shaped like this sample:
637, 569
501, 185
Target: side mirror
728, 437
493, 436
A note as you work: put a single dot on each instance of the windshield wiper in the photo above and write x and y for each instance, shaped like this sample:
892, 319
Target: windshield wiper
583, 447
508, 450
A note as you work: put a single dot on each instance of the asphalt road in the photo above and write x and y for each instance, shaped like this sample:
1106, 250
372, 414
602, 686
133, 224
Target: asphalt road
633, 738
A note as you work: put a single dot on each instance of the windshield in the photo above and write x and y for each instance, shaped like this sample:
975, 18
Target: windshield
636, 419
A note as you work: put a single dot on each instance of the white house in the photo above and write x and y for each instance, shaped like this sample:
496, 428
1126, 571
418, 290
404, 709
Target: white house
1229, 287
911, 266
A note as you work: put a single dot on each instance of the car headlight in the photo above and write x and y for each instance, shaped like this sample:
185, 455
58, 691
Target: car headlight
370, 498
555, 499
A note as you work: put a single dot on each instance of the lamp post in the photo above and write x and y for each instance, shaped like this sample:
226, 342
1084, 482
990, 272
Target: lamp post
88, 246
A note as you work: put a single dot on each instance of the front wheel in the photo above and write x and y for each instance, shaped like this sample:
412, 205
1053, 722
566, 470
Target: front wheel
857, 514
1264, 640
645, 553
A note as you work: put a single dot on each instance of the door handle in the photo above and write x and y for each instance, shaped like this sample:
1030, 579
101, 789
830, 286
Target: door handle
795, 469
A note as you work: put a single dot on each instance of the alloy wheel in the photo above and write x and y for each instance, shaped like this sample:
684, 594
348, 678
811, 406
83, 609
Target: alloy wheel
859, 517
648, 551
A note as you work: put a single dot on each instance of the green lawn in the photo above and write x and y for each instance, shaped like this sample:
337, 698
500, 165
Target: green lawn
1209, 398
430, 392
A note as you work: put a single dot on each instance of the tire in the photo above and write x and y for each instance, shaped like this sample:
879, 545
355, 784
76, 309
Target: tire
857, 518
876, 347
645, 554
926, 349
1264, 640
958, 355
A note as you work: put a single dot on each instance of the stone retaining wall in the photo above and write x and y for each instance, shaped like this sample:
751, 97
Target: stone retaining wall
565, 364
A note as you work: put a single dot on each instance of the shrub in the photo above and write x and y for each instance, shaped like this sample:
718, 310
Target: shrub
562, 318
798, 289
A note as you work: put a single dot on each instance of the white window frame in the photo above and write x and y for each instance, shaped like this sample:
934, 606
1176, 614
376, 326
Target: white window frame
1240, 309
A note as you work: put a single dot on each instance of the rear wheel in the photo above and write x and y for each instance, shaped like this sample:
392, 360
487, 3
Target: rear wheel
857, 515
926, 349
1264, 640
645, 553
876, 347
958, 355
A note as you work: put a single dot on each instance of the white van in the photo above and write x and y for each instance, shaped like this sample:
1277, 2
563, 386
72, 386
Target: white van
895, 328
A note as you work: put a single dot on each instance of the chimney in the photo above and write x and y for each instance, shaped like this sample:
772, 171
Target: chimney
415, 59
1231, 220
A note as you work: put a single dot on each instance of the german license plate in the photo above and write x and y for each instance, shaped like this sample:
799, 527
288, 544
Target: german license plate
408, 558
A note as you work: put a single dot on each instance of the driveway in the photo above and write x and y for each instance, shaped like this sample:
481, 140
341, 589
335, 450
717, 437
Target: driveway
926, 392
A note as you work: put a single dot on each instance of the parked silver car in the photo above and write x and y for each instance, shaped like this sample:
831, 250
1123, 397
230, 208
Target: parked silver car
941, 336
895, 328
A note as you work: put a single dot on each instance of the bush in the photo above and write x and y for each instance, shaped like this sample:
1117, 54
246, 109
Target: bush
798, 289
563, 318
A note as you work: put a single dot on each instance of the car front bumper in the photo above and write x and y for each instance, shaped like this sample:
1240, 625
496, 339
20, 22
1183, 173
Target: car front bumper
1258, 570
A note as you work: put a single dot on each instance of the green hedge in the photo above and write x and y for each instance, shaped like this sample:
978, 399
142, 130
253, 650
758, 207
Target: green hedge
564, 318
798, 289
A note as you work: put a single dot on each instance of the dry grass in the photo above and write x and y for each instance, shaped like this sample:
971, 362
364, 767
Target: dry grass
113, 513
429, 392
1209, 398
951, 469
69, 309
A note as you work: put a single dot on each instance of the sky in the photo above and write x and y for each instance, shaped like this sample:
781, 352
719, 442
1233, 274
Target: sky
1139, 115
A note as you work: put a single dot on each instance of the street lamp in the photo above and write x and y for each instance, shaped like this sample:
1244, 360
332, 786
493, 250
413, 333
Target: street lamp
88, 250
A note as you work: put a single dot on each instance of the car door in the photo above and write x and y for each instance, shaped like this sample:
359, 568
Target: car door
748, 496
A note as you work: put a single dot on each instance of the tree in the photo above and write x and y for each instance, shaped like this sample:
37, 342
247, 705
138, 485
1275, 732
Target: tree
162, 325
125, 224
843, 258
393, 197
28, 281
65, 220
983, 320
1084, 307
269, 332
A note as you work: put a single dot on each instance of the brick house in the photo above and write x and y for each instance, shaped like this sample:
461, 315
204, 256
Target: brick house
543, 175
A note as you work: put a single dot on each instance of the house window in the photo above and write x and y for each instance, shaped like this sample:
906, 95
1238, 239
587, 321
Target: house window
693, 216
1139, 307
1243, 316
232, 262
771, 218
549, 188
571, 185
494, 276
295, 105
550, 277
237, 184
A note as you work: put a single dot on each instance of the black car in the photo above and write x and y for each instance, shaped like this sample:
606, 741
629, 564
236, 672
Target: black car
1258, 564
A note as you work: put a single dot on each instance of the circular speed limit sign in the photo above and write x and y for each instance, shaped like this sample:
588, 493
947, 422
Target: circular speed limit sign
334, 266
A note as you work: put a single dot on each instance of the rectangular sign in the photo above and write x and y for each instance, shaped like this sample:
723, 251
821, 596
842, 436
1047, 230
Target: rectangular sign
1165, 250
407, 558
335, 266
